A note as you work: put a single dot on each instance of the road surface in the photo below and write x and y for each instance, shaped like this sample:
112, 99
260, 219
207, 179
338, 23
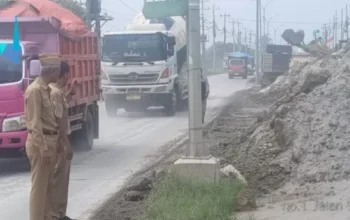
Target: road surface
123, 147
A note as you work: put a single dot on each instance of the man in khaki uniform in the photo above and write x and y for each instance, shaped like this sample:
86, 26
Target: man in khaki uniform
64, 155
41, 145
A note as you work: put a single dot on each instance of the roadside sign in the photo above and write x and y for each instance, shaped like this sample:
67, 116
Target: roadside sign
153, 9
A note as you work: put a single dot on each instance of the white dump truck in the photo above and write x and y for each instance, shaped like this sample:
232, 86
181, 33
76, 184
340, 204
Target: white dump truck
145, 65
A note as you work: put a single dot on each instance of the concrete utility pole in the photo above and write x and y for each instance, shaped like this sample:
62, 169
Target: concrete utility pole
225, 31
334, 33
347, 22
257, 40
203, 32
94, 14
325, 32
239, 40
197, 161
233, 36
250, 41
214, 40
336, 28
245, 40
342, 25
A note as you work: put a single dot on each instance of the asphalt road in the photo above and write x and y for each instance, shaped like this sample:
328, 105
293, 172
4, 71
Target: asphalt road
125, 144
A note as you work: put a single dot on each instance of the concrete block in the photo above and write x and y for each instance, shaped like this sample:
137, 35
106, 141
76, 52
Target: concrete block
205, 169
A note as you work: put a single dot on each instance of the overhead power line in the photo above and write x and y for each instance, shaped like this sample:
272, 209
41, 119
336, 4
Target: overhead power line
126, 5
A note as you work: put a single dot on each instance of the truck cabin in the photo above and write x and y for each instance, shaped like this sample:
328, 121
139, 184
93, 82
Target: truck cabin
138, 47
237, 64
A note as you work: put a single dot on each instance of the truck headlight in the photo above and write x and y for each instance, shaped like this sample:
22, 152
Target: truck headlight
13, 124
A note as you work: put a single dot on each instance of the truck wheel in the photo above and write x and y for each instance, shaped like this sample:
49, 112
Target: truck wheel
111, 109
181, 103
85, 136
230, 76
245, 76
171, 106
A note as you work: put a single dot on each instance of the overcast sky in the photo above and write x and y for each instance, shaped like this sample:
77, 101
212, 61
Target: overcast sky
297, 14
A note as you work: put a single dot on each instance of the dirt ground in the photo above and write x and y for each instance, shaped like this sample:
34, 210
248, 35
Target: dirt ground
290, 141
130, 202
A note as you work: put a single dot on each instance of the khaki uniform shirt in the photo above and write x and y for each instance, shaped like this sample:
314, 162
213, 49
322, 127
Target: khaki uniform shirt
39, 114
61, 111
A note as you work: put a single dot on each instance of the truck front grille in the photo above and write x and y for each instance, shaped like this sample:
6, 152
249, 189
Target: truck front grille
134, 78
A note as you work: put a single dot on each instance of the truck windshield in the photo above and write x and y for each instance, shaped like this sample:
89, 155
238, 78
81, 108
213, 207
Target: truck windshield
133, 47
10, 70
236, 62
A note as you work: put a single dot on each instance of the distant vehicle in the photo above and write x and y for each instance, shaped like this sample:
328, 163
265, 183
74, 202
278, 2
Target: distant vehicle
239, 64
276, 60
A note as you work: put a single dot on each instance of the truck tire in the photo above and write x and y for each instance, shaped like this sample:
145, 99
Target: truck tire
111, 109
245, 76
85, 137
230, 76
180, 102
171, 106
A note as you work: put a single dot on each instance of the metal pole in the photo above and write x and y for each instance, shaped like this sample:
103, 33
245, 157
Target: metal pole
257, 39
196, 147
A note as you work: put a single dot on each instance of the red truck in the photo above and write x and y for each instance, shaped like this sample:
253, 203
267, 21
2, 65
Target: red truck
238, 64
43, 35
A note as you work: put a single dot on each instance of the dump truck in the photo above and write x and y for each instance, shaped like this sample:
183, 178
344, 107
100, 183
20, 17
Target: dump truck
146, 65
239, 64
276, 60
43, 35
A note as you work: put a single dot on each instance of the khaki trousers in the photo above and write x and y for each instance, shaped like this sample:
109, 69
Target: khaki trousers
42, 176
60, 186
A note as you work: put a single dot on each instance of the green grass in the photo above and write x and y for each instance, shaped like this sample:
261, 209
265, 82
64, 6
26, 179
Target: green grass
176, 199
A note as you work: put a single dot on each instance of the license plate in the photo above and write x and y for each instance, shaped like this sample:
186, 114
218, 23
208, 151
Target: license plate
133, 97
236, 74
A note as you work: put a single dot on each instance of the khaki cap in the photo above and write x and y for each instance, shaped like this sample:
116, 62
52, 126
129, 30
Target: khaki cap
53, 60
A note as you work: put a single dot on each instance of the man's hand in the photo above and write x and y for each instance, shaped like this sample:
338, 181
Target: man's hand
69, 153
73, 87
46, 158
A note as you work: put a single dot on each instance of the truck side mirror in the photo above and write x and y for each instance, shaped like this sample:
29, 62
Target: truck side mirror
171, 40
170, 52
34, 68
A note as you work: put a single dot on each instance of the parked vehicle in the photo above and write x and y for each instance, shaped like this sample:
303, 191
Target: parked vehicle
276, 60
145, 66
42, 35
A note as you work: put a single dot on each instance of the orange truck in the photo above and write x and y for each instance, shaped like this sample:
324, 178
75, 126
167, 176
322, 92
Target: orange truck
44, 35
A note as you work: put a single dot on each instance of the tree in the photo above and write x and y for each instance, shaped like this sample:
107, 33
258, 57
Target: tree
74, 6
71, 5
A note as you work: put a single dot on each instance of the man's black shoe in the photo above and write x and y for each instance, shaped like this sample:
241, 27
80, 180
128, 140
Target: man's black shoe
66, 218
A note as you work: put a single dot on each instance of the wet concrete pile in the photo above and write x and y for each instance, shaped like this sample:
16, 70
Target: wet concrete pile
298, 130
